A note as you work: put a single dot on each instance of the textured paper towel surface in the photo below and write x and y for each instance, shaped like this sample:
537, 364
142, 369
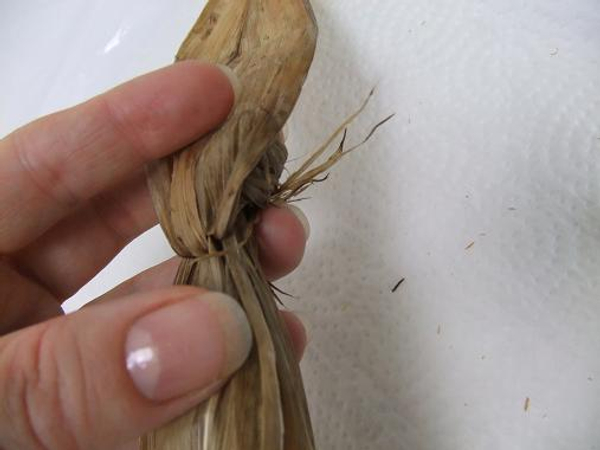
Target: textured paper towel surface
483, 194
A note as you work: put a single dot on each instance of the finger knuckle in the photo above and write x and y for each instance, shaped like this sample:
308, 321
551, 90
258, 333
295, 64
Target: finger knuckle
38, 413
47, 175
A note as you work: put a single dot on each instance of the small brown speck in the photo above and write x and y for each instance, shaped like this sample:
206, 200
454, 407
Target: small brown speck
470, 246
395, 288
526, 405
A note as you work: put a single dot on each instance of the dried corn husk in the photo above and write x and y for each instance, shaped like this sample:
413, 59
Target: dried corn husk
207, 197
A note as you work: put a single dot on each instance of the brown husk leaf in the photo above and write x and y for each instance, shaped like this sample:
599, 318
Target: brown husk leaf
207, 197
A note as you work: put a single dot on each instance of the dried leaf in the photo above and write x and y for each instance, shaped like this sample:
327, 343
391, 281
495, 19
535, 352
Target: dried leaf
207, 197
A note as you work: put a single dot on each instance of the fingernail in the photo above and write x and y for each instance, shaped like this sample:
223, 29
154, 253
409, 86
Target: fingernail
302, 218
233, 79
284, 133
188, 346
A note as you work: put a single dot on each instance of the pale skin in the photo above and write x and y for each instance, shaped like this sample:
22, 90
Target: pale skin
72, 195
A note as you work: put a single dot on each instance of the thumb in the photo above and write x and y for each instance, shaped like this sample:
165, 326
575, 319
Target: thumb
103, 376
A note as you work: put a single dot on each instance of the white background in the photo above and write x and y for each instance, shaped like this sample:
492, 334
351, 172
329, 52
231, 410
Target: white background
496, 141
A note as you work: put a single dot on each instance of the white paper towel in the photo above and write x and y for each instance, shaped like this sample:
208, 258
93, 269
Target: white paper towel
496, 142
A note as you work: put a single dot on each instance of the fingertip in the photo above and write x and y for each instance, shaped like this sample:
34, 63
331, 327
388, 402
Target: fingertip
210, 89
187, 347
282, 241
297, 332
173, 106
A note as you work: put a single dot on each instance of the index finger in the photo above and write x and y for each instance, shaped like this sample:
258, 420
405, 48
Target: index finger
57, 163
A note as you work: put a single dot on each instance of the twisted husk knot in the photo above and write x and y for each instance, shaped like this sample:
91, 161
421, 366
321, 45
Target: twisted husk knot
208, 201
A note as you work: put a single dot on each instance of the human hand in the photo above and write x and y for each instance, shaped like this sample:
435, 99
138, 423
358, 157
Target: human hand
72, 195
